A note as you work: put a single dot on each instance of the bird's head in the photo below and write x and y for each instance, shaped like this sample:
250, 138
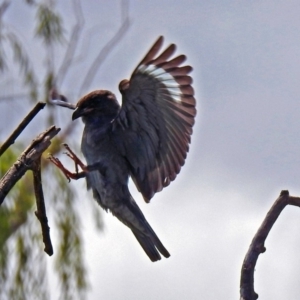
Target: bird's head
99, 105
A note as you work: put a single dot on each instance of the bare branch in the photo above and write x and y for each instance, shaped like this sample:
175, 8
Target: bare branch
26, 160
3, 7
41, 208
294, 201
58, 99
107, 48
258, 244
21, 127
73, 43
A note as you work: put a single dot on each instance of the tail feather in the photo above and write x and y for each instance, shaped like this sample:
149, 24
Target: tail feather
130, 214
162, 249
148, 246
148, 238
151, 244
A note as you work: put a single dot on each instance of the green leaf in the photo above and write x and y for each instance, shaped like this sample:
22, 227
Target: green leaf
49, 27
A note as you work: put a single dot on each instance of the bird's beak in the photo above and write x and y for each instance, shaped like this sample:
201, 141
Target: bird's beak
77, 113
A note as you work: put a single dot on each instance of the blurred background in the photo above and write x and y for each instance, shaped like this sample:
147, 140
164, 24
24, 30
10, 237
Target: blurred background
245, 148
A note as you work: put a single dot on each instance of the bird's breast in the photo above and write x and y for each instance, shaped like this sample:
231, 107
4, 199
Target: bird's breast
97, 147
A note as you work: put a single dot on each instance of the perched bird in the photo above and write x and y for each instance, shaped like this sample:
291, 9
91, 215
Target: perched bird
146, 138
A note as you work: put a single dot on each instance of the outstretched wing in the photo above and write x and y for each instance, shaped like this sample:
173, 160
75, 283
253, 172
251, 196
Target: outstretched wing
153, 129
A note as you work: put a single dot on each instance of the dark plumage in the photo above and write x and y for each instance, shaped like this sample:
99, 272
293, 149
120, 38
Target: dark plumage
147, 138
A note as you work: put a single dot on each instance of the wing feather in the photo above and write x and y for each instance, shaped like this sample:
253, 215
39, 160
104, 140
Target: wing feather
153, 129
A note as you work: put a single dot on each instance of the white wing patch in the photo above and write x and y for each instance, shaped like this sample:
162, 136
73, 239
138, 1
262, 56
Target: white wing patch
166, 78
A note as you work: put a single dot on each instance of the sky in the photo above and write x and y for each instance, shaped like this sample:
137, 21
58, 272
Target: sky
245, 149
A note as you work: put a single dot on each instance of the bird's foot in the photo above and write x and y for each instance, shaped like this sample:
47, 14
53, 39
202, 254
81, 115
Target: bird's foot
70, 175
58, 163
75, 158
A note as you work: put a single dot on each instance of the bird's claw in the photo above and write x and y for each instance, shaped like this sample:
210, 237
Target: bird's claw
75, 158
77, 162
58, 163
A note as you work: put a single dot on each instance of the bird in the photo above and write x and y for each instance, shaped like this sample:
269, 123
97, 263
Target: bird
146, 138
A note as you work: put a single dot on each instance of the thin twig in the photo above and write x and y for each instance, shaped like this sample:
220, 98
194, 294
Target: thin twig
73, 43
258, 244
3, 7
41, 208
26, 161
21, 127
107, 48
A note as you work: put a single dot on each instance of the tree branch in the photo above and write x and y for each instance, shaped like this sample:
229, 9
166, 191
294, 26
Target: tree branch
21, 127
107, 48
257, 246
41, 208
73, 43
3, 7
26, 160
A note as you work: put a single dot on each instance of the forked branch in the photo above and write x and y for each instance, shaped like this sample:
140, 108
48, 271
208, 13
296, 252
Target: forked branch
258, 244
30, 160
26, 160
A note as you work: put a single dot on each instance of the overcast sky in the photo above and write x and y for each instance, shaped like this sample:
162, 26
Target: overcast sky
245, 149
